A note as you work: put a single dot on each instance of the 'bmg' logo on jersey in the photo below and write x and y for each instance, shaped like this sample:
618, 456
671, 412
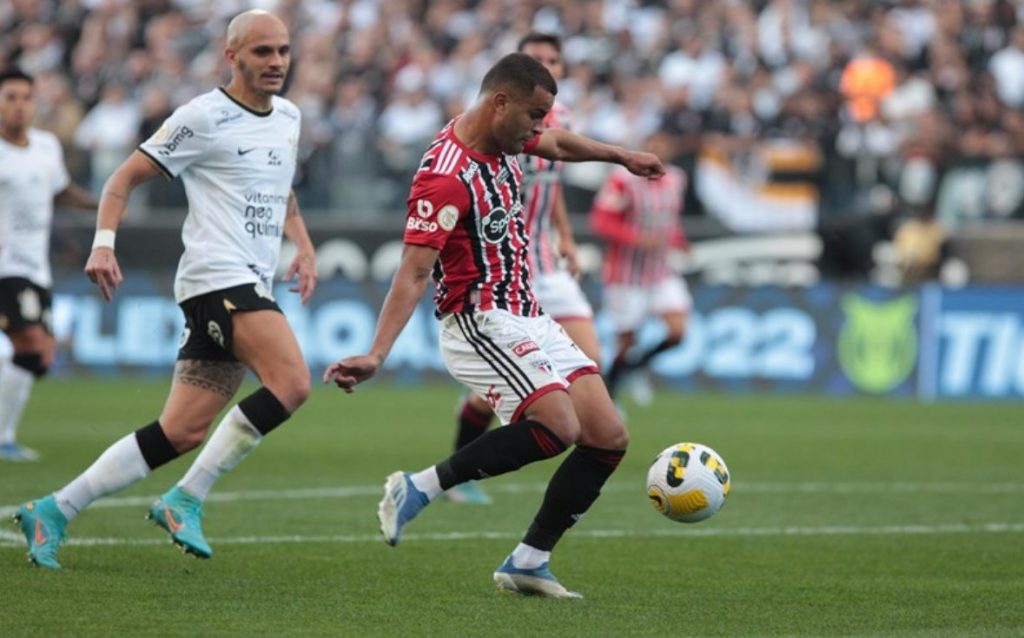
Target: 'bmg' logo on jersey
176, 137
495, 225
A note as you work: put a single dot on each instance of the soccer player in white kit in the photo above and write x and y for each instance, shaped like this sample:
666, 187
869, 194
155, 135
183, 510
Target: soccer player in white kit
235, 150
551, 258
32, 178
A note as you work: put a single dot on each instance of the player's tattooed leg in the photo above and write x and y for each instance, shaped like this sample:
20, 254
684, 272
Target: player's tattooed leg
222, 377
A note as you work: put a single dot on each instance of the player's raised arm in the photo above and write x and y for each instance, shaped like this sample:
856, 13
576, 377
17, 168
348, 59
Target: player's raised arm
304, 264
566, 146
406, 290
102, 267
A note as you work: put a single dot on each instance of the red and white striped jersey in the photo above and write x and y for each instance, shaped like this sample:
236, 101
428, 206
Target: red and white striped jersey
628, 208
542, 186
469, 206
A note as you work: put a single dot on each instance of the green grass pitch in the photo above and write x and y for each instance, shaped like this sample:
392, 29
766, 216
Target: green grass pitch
847, 518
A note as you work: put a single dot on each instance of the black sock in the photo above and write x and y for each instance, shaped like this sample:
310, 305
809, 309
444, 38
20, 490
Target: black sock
153, 443
574, 487
471, 425
619, 368
263, 410
499, 451
646, 357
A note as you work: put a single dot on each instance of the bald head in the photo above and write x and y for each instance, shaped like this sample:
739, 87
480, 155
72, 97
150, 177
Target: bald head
250, 23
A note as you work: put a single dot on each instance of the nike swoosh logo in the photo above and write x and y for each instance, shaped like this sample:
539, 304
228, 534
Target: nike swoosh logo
248, 150
40, 536
173, 524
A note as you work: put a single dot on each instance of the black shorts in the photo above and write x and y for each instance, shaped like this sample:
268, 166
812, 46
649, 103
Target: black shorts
23, 304
208, 326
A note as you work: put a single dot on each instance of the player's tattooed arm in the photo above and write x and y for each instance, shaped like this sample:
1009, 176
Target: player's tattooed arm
303, 267
220, 377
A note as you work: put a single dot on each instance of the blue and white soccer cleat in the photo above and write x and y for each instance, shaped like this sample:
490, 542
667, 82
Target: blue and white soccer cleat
17, 453
180, 513
469, 493
531, 582
43, 525
401, 503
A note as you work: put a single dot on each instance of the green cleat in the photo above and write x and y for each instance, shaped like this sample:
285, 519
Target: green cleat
469, 493
43, 525
179, 513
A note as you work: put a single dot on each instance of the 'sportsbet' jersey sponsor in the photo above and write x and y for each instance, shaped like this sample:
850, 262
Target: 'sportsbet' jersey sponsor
468, 206
237, 166
30, 176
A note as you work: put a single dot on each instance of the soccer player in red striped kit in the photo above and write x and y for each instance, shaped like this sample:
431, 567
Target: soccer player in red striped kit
465, 227
551, 257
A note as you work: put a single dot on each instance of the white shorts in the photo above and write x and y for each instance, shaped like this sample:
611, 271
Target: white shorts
629, 305
560, 296
510, 360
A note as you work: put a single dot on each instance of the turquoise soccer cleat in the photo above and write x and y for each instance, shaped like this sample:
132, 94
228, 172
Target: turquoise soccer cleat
401, 503
17, 453
179, 513
43, 525
469, 493
531, 582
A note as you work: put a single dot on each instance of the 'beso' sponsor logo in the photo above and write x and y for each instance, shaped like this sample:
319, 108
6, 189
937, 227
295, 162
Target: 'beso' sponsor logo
422, 225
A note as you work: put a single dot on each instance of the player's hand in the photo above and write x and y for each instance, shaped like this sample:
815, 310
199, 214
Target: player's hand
303, 269
351, 371
567, 250
644, 164
103, 271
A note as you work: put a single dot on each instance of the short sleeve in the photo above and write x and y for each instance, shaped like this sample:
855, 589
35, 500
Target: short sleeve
436, 204
183, 139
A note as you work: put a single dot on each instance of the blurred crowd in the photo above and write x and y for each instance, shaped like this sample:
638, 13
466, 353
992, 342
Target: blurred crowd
915, 106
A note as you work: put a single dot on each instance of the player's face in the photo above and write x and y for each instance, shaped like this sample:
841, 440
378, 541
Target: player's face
263, 57
548, 56
518, 120
17, 104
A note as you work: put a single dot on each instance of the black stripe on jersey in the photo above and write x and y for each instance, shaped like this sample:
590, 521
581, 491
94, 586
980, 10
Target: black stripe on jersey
156, 163
496, 350
500, 288
507, 375
524, 264
476, 242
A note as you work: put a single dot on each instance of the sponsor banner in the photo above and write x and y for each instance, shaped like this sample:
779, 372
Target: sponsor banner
825, 339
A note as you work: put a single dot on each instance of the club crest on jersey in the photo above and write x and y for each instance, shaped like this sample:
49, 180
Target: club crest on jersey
495, 225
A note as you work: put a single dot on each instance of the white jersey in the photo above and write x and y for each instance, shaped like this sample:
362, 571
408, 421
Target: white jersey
30, 176
237, 166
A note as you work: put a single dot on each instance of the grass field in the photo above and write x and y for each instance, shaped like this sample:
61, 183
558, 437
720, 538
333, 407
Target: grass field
847, 518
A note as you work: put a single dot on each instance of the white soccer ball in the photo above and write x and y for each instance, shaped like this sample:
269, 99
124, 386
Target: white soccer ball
688, 482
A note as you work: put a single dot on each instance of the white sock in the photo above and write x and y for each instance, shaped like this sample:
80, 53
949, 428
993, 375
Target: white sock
15, 387
427, 482
526, 557
231, 442
118, 467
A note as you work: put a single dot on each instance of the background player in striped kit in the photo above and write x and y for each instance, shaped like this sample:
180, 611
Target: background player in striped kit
235, 150
641, 221
465, 226
551, 258
32, 178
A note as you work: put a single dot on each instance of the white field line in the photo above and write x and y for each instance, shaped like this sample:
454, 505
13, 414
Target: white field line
13, 539
753, 487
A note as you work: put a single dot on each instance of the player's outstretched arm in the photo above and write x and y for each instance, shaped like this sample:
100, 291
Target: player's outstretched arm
566, 146
102, 267
303, 267
406, 291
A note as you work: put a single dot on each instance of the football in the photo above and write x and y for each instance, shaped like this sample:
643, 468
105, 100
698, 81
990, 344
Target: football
688, 482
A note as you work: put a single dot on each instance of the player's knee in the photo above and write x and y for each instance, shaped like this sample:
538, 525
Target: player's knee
32, 362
